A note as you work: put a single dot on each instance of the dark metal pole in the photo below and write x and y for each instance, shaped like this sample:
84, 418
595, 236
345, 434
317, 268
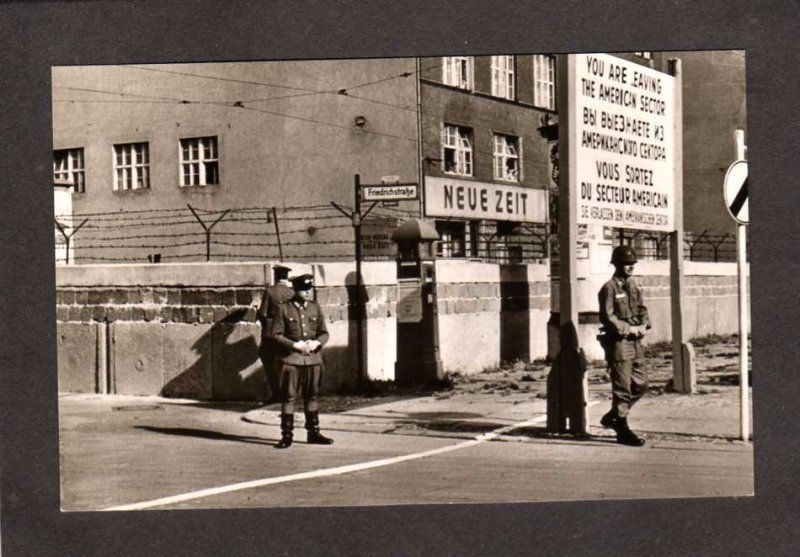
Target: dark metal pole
358, 298
277, 233
68, 237
207, 229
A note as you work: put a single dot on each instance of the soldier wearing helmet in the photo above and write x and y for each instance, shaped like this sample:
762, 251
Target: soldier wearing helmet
625, 322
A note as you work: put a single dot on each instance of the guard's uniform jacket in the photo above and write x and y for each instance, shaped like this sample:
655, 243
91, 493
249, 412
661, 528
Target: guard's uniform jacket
295, 322
620, 308
268, 351
274, 296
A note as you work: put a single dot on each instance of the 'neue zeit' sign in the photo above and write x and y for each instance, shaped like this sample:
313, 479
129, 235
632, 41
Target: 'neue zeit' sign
623, 142
445, 197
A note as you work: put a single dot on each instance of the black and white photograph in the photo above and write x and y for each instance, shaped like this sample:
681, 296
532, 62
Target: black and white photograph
399, 278
422, 280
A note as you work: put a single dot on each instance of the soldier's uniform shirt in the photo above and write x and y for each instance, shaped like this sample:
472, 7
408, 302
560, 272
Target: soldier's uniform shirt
621, 306
301, 373
274, 296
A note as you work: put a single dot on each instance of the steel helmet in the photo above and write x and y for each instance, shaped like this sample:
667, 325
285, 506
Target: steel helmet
623, 255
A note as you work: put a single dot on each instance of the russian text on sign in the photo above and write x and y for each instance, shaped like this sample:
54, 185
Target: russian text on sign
622, 127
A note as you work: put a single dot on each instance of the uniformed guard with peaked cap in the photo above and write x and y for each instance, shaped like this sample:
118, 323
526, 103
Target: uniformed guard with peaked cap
278, 292
299, 329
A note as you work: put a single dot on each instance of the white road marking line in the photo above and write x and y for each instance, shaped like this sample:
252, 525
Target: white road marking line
327, 471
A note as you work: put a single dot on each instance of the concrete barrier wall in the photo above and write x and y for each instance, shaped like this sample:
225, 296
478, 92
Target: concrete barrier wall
191, 330
711, 303
490, 313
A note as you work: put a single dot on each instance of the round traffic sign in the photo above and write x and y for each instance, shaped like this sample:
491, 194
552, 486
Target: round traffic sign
735, 191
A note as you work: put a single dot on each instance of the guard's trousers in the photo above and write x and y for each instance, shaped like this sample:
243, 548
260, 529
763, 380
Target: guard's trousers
300, 382
628, 384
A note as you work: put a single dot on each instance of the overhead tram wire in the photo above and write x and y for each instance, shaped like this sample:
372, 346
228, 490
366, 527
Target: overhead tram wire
240, 104
281, 86
343, 91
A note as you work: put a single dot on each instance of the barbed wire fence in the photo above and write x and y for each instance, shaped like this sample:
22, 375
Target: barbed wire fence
698, 246
233, 234
316, 232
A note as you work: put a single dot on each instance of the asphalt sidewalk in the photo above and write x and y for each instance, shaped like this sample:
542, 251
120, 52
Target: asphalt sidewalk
710, 416
451, 446
482, 440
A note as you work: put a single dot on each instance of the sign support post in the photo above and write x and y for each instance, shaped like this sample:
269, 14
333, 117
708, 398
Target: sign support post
741, 265
567, 383
356, 218
684, 375
620, 166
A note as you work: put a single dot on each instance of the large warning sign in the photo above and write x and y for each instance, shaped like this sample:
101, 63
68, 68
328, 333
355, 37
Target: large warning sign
622, 138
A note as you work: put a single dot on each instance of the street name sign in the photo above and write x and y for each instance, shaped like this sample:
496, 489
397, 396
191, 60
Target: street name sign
390, 192
735, 192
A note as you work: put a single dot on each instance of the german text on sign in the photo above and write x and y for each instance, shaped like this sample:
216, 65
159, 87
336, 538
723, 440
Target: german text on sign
393, 192
479, 200
621, 127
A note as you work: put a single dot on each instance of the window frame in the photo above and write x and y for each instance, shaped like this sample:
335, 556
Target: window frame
462, 146
75, 170
461, 75
503, 79
452, 237
139, 170
501, 156
206, 161
544, 86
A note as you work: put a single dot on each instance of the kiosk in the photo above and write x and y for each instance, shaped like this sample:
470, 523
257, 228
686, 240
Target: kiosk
418, 361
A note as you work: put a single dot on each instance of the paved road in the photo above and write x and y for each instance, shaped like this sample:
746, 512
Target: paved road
120, 451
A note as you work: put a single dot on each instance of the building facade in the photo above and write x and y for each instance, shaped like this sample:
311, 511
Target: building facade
246, 160
243, 161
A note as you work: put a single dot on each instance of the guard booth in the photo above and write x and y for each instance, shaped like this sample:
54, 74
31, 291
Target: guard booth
418, 361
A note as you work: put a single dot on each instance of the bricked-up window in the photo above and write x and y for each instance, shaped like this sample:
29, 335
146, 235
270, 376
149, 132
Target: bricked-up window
503, 77
452, 239
199, 162
131, 166
68, 165
457, 150
544, 81
506, 157
457, 71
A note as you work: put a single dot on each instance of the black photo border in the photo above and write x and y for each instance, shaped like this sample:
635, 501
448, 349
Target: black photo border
37, 35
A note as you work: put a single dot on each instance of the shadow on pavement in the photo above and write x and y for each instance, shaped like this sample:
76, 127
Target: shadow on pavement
238, 407
207, 434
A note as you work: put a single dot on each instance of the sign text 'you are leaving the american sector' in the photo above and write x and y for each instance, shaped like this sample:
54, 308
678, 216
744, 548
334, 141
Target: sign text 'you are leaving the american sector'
623, 137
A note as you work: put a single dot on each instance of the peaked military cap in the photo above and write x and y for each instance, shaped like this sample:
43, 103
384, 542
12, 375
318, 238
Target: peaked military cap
303, 282
280, 272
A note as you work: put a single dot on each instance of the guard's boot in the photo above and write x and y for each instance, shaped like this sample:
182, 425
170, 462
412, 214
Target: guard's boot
312, 426
625, 436
610, 420
287, 427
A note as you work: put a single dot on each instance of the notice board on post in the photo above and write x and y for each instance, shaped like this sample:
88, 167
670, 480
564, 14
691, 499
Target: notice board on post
621, 130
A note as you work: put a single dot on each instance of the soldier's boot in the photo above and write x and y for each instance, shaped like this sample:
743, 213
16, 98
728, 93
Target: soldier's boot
610, 420
312, 426
625, 436
287, 427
